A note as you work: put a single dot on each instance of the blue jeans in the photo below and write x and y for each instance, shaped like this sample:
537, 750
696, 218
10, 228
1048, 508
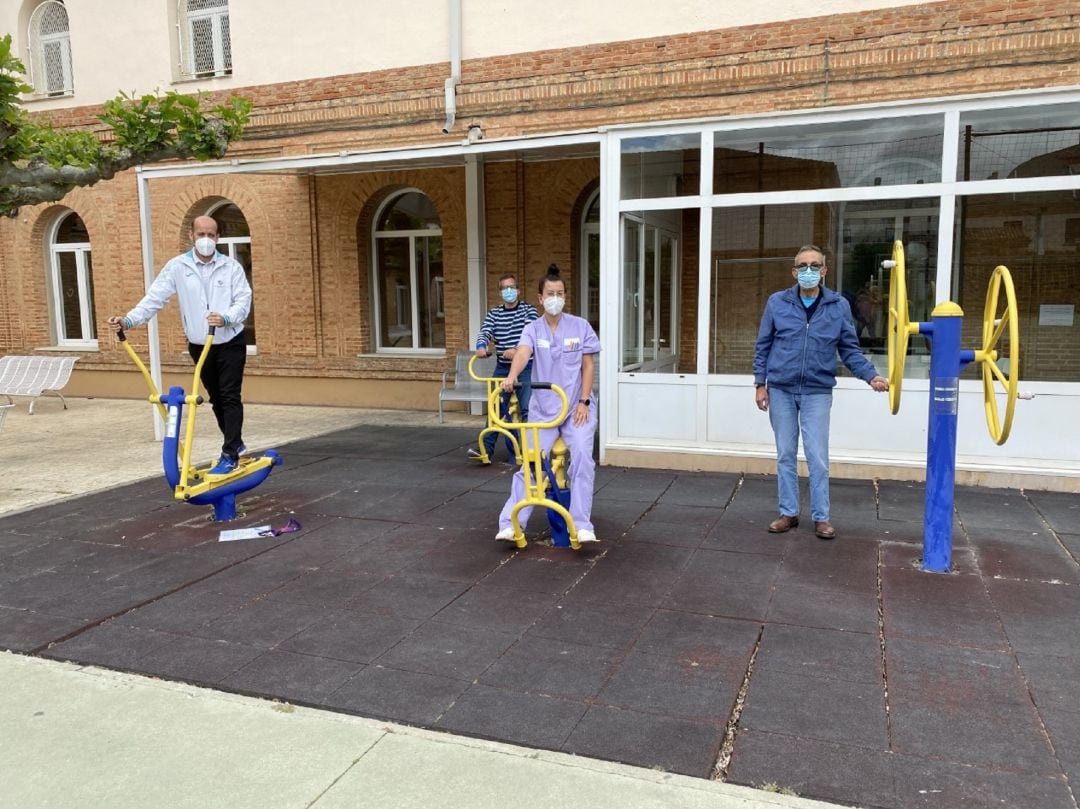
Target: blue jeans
790, 414
523, 395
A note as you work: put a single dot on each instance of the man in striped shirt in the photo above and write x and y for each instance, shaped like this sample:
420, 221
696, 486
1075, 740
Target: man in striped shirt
499, 336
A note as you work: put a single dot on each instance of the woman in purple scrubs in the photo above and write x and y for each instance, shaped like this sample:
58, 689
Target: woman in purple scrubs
563, 348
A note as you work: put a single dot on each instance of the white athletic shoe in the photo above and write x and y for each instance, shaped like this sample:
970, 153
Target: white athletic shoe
585, 535
505, 535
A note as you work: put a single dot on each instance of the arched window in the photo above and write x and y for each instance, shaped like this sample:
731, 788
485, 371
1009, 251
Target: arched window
408, 274
205, 46
234, 239
50, 50
72, 283
589, 272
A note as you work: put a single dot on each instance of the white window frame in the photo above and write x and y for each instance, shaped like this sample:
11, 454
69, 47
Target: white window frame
229, 244
414, 278
185, 22
39, 64
80, 250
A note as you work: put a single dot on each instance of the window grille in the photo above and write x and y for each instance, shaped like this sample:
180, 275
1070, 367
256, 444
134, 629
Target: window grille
205, 46
50, 50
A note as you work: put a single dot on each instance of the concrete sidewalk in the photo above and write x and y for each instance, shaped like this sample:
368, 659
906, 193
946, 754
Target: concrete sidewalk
86, 737
80, 736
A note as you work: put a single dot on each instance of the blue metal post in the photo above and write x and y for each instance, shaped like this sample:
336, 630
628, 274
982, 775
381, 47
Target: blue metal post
945, 364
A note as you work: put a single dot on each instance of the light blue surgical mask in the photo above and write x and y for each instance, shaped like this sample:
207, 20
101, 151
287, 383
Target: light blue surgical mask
809, 277
509, 294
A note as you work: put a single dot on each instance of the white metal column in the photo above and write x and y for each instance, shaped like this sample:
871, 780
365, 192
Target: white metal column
475, 247
153, 336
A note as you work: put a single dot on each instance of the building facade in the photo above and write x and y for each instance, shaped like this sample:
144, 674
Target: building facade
672, 160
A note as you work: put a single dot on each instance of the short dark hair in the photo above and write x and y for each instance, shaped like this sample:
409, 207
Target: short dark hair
508, 276
552, 275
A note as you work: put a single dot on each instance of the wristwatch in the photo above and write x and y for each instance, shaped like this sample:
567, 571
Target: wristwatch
585, 402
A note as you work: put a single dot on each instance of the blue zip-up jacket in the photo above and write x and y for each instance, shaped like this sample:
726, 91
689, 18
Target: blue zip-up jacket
799, 355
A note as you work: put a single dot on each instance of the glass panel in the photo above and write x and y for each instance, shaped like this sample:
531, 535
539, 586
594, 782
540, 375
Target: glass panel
890, 151
429, 266
412, 211
593, 244
89, 265
395, 293
753, 251
651, 271
868, 231
231, 222
648, 293
203, 5
70, 321
592, 215
241, 251
631, 315
661, 166
1025, 142
72, 231
1037, 236
202, 44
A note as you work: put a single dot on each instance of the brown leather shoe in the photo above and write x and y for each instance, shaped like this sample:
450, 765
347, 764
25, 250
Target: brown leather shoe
782, 524
824, 530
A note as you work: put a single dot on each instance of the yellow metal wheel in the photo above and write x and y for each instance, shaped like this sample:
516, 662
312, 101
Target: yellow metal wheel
899, 326
1000, 323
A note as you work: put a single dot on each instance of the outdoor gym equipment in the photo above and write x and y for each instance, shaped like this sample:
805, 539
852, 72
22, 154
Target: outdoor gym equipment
536, 467
496, 410
946, 361
190, 483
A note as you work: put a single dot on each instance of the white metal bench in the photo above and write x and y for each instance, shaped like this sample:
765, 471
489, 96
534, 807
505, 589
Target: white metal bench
464, 388
4, 408
34, 376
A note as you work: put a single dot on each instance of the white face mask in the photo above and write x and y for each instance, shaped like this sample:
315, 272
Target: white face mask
554, 305
205, 246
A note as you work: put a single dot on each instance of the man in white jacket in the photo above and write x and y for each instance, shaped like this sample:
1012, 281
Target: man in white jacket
213, 291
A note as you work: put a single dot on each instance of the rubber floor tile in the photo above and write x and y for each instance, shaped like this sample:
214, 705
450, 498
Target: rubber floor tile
111, 644
672, 687
953, 626
824, 608
455, 563
722, 594
263, 623
1060, 509
837, 711
1063, 728
574, 620
294, 677
811, 768
1045, 562
555, 668
934, 590
1000, 509
817, 653
954, 676
907, 556
941, 785
721, 643
1054, 680
407, 596
399, 696
183, 612
533, 720
446, 650
700, 489
501, 609
350, 636
646, 740
326, 588
197, 660
988, 735
543, 570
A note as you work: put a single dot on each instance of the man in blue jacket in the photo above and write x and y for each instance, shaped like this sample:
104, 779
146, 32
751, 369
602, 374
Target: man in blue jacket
802, 330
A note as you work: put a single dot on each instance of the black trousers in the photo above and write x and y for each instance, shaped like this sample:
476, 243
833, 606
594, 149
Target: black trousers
223, 376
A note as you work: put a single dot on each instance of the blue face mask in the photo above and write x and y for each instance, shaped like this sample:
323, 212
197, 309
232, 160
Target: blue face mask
808, 278
509, 294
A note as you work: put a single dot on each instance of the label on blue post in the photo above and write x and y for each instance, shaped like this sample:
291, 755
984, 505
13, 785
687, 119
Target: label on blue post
945, 396
173, 423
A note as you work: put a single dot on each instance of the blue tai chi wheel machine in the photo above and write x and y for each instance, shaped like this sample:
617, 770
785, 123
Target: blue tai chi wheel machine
190, 483
1000, 345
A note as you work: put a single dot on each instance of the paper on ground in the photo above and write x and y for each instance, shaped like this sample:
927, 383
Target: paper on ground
244, 533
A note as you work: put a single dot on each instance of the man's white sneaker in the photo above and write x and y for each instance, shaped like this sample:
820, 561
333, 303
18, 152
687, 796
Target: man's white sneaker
505, 535
585, 535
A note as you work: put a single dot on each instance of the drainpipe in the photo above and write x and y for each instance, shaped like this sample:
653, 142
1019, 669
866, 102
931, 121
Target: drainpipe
450, 85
